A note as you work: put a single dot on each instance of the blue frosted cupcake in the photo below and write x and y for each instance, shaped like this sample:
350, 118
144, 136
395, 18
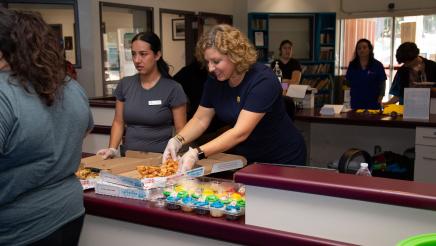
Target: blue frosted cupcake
216, 209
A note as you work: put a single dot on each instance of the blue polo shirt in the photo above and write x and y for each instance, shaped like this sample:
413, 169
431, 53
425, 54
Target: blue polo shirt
275, 139
366, 85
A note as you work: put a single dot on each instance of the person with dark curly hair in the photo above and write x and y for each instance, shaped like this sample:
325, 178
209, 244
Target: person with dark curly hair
367, 77
415, 69
244, 94
44, 116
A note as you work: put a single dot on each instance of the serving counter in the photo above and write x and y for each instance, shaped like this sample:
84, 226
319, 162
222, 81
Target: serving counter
323, 203
120, 221
285, 206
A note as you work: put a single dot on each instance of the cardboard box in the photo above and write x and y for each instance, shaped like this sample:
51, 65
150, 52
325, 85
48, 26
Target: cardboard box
122, 170
110, 189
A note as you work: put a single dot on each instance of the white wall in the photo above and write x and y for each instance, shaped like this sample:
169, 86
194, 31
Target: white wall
292, 6
90, 74
173, 51
380, 7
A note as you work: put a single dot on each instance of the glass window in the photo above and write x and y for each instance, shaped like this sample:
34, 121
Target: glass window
61, 16
119, 24
420, 29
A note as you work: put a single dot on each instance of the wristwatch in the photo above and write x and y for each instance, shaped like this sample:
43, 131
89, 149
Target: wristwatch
200, 154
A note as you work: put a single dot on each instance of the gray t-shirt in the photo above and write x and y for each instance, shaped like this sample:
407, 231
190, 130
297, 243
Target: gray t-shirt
147, 113
40, 150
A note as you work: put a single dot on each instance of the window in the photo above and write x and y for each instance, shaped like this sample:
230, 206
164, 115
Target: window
386, 34
61, 15
119, 24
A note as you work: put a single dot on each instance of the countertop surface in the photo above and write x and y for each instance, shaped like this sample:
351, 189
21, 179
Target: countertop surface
364, 119
330, 183
313, 115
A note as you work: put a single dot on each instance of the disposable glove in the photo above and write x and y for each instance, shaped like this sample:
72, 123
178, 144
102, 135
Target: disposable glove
173, 146
189, 159
107, 153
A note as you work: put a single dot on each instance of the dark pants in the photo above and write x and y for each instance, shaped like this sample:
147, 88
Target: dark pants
67, 235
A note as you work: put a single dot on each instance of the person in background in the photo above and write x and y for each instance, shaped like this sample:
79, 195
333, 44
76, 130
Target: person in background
149, 104
245, 95
415, 69
44, 116
367, 77
291, 69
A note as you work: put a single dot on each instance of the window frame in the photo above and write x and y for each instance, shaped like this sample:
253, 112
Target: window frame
102, 4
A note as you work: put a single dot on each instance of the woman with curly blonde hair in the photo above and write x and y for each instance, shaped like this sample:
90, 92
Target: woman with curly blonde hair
244, 94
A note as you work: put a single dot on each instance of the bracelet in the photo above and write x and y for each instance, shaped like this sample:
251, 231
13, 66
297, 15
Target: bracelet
180, 138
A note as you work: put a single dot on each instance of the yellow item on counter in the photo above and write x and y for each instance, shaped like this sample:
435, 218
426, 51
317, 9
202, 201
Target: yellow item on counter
236, 196
370, 111
388, 109
207, 192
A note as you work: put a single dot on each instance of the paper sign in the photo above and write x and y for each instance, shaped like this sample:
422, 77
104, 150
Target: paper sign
297, 91
416, 103
331, 109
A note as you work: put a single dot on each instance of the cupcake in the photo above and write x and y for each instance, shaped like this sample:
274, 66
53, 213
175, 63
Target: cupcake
211, 198
216, 209
171, 202
201, 207
232, 212
187, 204
182, 194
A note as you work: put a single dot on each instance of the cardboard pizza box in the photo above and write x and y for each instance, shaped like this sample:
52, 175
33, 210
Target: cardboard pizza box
122, 170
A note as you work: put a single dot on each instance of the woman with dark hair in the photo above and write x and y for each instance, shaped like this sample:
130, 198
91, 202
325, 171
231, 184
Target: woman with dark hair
291, 69
44, 116
367, 77
415, 69
150, 104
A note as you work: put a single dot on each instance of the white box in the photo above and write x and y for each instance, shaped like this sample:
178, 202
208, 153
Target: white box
111, 189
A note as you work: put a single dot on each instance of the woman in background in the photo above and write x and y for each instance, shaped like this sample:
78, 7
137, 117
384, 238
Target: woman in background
367, 77
245, 95
291, 69
149, 104
44, 116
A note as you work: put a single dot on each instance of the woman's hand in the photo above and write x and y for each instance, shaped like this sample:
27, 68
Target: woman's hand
173, 146
107, 153
189, 159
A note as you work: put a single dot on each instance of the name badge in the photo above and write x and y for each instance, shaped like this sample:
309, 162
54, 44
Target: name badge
155, 102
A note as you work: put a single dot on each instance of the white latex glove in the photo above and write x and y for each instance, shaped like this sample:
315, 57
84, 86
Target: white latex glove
173, 146
107, 153
189, 159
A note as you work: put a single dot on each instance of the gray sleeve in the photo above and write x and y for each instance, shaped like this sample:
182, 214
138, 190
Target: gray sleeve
7, 120
178, 96
119, 93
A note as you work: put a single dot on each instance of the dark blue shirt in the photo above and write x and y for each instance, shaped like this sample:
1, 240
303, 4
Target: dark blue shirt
275, 139
366, 85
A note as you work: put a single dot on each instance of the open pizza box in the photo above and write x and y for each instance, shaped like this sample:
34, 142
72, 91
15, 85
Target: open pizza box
122, 170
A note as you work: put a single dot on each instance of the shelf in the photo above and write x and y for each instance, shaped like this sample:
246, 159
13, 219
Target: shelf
318, 69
